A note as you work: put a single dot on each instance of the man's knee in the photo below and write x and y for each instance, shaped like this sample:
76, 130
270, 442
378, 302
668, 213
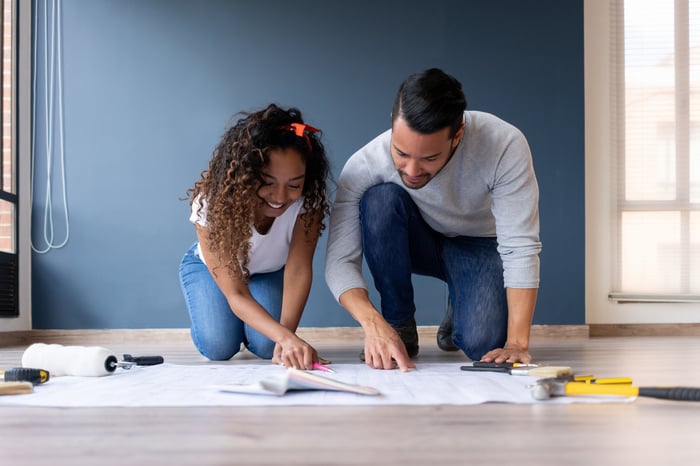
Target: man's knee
378, 206
379, 193
475, 351
476, 346
380, 196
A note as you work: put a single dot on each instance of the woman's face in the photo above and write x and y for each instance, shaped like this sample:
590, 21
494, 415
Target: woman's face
282, 181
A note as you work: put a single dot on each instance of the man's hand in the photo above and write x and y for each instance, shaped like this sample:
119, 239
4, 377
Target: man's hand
508, 354
384, 348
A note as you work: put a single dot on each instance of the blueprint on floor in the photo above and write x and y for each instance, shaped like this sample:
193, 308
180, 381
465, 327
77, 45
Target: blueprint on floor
200, 385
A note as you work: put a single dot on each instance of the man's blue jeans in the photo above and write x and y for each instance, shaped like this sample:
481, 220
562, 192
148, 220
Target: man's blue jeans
216, 331
398, 242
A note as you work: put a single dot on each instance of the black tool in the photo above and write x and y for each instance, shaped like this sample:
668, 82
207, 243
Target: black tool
24, 374
539, 371
509, 365
144, 360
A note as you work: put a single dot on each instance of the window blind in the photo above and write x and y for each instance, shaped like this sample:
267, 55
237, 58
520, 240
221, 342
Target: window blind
656, 145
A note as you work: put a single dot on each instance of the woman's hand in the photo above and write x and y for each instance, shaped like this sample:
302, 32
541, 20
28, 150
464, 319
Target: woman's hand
295, 352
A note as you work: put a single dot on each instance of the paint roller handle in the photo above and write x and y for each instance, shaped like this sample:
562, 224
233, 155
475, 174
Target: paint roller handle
671, 393
24, 374
144, 360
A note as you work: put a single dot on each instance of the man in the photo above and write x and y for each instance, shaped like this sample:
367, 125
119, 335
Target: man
446, 193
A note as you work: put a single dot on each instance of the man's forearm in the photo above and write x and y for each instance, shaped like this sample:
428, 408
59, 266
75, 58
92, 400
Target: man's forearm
521, 308
356, 302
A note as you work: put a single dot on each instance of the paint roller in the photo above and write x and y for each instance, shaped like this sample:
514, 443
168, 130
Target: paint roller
82, 361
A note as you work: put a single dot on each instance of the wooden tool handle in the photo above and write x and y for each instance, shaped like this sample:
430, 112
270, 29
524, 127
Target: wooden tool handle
15, 388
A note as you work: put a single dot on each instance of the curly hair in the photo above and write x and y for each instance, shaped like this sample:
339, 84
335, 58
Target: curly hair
231, 182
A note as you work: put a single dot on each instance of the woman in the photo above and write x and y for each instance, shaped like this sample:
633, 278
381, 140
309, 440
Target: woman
258, 212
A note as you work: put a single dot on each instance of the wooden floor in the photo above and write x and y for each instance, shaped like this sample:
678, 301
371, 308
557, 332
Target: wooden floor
645, 432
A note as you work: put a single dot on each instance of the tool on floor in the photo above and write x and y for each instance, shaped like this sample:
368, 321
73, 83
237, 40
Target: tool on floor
539, 371
544, 389
503, 364
16, 388
143, 360
24, 374
90, 361
598, 381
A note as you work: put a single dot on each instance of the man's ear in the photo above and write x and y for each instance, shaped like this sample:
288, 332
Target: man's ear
459, 134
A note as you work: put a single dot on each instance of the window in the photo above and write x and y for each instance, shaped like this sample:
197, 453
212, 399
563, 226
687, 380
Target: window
656, 142
9, 291
642, 77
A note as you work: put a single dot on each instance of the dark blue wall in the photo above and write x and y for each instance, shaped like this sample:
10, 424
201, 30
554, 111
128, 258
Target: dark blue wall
150, 85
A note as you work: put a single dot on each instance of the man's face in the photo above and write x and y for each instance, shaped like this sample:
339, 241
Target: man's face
419, 157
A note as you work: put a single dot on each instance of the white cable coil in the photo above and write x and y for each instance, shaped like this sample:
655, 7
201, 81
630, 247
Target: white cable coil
53, 103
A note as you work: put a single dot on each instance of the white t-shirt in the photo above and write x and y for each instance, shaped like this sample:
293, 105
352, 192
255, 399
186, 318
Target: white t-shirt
268, 252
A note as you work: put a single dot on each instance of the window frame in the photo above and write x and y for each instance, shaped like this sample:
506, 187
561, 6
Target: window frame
22, 148
601, 174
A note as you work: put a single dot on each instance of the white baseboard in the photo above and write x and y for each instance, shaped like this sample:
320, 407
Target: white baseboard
178, 336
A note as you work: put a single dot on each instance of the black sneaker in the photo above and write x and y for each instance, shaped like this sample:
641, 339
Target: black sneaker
444, 333
408, 333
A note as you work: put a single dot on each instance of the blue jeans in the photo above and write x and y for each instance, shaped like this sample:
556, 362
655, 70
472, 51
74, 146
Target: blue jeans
216, 331
397, 242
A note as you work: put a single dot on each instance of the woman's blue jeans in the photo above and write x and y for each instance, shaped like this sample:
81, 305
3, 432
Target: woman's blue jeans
216, 331
397, 242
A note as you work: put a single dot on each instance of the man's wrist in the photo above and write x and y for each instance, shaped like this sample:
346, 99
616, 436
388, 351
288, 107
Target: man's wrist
372, 321
517, 345
356, 301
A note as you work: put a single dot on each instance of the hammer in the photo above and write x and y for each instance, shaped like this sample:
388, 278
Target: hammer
547, 388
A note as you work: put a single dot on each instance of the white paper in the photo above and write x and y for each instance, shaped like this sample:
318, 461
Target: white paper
291, 380
179, 385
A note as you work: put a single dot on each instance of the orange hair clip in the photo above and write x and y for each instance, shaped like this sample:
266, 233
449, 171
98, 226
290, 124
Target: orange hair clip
302, 130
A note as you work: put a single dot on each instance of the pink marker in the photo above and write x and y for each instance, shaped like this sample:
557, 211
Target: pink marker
322, 368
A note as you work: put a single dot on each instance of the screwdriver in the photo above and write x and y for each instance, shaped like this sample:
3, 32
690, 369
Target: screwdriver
24, 374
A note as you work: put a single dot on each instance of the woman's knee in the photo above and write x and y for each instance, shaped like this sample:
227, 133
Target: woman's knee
213, 345
263, 348
219, 352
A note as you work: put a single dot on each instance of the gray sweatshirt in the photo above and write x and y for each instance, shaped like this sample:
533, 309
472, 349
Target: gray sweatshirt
487, 189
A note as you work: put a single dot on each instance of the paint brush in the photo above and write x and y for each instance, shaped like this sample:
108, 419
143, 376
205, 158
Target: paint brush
539, 371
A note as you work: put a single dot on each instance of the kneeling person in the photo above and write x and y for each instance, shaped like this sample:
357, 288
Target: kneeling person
446, 193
